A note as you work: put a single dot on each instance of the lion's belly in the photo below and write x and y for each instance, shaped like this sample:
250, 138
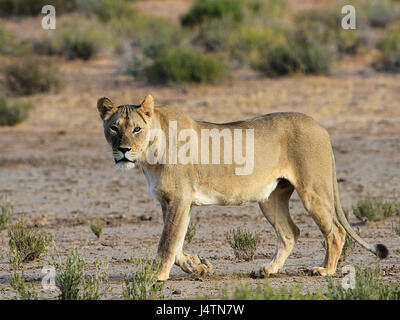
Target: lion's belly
205, 197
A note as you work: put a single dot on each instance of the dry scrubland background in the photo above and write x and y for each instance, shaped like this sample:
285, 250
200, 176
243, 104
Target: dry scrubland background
248, 59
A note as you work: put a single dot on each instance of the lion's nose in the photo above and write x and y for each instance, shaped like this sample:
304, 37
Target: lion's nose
123, 149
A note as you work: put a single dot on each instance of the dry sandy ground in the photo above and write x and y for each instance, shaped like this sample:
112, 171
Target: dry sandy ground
59, 171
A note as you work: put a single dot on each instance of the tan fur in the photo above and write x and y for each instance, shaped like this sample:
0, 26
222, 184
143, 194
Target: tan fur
291, 152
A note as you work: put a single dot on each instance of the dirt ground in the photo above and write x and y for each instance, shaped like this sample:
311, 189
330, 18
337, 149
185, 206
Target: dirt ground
59, 172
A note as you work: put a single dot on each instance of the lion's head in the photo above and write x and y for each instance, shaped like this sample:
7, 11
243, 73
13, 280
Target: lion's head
126, 129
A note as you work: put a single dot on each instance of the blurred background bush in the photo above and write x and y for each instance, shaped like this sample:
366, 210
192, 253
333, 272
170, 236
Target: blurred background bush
212, 40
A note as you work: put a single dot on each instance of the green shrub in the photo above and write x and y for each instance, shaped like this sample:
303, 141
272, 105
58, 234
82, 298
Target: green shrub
8, 43
368, 286
33, 8
380, 13
12, 114
390, 47
264, 291
204, 10
191, 232
238, 11
81, 40
106, 10
295, 58
18, 284
324, 26
243, 242
368, 209
30, 75
97, 228
185, 65
75, 283
26, 244
143, 285
213, 36
7, 208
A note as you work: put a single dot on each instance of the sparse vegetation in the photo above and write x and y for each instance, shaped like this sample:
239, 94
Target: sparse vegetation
390, 47
380, 13
26, 244
396, 227
9, 44
105, 10
18, 284
243, 242
185, 65
294, 58
75, 283
191, 232
83, 43
369, 209
31, 75
7, 208
237, 10
368, 286
12, 114
33, 8
143, 285
264, 291
97, 228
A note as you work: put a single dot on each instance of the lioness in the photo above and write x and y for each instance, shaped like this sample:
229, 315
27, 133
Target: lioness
291, 151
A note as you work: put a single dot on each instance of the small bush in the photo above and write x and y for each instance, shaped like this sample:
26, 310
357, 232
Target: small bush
8, 43
18, 284
295, 58
243, 242
238, 11
31, 75
33, 8
12, 114
7, 208
143, 285
82, 40
75, 283
368, 286
390, 47
204, 10
368, 209
191, 232
26, 244
324, 26
380, 13
185, 65
263, 291
97, 228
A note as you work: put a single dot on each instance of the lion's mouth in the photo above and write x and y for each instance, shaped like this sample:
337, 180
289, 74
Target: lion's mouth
125, 160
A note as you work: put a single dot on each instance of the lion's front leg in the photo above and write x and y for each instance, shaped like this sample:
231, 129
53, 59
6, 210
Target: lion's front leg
176, 221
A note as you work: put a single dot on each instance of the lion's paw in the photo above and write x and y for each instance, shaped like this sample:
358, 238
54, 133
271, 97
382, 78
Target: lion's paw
196, 264
321, 271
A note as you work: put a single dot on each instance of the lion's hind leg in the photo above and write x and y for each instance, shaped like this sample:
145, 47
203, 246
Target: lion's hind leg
276, 210
322, 210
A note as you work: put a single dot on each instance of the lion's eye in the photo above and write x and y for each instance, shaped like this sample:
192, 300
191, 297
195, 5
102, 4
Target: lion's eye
137, 129
114, 128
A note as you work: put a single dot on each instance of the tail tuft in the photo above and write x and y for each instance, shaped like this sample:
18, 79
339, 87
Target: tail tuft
381, 251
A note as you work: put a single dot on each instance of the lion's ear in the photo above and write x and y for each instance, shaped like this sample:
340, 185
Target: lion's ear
147, 106
106, 108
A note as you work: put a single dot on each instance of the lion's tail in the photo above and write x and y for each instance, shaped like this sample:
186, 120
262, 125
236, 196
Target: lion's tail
379, 250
